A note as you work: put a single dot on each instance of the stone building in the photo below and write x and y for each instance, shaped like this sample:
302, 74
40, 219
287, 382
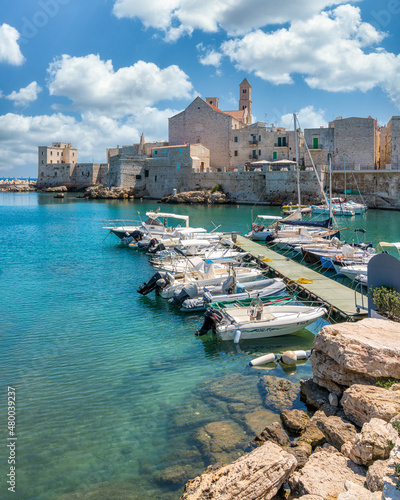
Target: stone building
393, 143
58, 152
204, 123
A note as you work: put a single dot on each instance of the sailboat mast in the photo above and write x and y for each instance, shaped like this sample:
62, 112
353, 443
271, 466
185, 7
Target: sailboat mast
297, 161
344, 166
330, 186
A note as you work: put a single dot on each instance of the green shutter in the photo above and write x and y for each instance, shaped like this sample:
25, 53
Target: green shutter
274, 155
315, 142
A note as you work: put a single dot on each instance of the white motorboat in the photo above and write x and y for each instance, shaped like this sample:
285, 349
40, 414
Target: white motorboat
258, 230
157, 223
166, 284
352, 271
258, 321
238, 291
337, 210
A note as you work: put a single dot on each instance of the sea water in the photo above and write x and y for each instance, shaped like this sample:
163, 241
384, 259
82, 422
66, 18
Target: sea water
113, 389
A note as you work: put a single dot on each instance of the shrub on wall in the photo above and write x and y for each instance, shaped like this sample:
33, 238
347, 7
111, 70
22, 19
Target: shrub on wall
217, 187
387, 300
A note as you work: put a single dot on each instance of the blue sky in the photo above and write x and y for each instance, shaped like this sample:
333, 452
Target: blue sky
98, 73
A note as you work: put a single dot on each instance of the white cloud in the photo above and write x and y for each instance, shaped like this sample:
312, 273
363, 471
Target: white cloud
329, 50
307, 117
21, 135
25, 95
211, 56
9, 49
93, 85
179, 17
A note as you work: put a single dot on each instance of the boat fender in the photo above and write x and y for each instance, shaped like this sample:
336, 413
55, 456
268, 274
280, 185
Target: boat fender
267, 358
237, 336
289, 358
301, 354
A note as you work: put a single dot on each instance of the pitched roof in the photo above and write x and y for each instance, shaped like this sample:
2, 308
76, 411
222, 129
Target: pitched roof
237, 114
245, 82
215, 108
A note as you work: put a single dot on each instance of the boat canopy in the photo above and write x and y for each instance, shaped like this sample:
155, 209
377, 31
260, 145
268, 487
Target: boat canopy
160, 215
194, 242
309, 223
188, 230
269, 217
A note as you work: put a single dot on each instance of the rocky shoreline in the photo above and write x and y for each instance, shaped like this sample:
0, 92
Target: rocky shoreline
345, 447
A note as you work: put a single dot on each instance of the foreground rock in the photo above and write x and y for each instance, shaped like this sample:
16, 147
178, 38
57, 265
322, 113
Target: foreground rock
361, 403
357, 492
256, 475
337, 431
356, 353
202, 197
325, 474
294, 421
372, 443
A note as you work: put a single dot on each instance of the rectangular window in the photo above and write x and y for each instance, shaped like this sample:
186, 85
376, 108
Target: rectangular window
315, 142
236, 153
42, 153
58, 153
259, 138
279, 142
178, 166
254, 153
235, 139
259, 152
42, 162
138, 177
180, 150
165, 151
274, 155
155, 152
155, 178
244, 91
146, 173
202, 151
51, 152
284, 141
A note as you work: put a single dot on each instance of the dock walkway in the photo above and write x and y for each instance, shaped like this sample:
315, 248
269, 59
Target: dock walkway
338, 297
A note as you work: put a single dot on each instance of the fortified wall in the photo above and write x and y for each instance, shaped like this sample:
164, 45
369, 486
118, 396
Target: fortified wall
75, 176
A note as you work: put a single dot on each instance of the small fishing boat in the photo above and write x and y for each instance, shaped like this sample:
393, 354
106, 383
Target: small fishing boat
336, 210
258, 320
231, 291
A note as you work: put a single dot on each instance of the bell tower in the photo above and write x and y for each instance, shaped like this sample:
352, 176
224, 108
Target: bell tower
245, 100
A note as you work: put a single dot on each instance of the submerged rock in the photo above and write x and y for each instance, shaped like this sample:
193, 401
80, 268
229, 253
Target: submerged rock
253, 476
278, 393
256, 420
220, 441
275, 433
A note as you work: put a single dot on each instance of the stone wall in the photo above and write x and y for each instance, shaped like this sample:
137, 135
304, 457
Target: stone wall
393, 136
77, 175
356, 138
379, 188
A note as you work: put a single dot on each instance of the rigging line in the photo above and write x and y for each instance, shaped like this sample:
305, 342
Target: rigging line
358, 189
315, 170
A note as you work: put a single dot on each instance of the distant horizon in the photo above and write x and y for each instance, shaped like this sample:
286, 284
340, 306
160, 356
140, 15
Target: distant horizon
98, 74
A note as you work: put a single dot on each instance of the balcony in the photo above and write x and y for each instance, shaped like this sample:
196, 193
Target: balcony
253, 141
277, 145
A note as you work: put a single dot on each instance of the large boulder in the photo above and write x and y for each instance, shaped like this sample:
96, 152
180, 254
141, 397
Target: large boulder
337, 430
313, 394
255, 475
356, 492
356, 353
275, 433
374, 442
294, 421
325, 474
376, 473
362, 402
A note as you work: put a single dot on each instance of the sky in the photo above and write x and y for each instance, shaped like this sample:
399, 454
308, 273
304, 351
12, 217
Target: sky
98, 73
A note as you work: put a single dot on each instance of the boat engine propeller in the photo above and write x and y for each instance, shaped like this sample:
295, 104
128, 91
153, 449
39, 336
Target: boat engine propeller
212, 317
152, 244
158, 282
157, 248
187, 292
137, 235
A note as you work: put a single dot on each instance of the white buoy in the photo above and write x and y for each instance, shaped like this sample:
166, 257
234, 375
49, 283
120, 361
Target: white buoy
301, 354
237, 336
289, 358
267, 358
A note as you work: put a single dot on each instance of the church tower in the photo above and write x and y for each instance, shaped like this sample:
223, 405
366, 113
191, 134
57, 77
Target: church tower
245, 100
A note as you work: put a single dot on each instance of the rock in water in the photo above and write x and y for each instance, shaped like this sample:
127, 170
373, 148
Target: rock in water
279, 393
255, 475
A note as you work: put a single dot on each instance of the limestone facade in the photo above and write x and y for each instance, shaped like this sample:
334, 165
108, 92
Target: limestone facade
393, 143
58, 152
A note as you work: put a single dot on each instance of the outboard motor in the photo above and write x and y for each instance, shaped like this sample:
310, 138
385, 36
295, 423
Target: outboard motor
158, 282
212, 317
137, 235
187, 292
269, 238
152, 243
156, 249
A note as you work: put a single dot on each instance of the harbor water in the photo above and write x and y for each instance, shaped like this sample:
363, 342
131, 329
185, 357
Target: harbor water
113, 389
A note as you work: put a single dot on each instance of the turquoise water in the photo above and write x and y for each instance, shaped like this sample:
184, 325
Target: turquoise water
112, 387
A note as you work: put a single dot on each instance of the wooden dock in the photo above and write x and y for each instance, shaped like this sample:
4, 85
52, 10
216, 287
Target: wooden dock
339, 298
